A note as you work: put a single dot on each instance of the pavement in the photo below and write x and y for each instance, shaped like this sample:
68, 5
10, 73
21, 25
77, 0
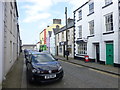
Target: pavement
15, 77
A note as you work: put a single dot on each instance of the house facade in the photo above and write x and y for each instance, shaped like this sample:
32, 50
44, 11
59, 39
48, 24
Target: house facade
10, 41
96, 31
46, 33
43, 40
119, 30
1, 42
52, 42
61, 39
49, 29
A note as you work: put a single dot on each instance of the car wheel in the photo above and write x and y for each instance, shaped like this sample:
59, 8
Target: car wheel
29, 76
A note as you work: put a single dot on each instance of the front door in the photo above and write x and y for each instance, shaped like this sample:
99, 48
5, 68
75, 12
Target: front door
97, 53
64, 50
109, 54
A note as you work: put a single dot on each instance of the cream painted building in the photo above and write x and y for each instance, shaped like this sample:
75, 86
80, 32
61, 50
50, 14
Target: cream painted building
10, 41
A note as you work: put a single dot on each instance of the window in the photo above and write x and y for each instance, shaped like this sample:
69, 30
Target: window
91, 7
80, 14
11, 51
63, 35
68, 32
80, 31
109, 22
58, 37
108, 2
11, 21
91, 27
82, 48
70, 48
60, 49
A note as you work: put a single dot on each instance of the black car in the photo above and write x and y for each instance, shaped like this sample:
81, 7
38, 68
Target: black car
43, 67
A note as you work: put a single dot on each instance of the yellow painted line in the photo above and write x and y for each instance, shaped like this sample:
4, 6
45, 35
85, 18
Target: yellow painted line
71, 63
115, 76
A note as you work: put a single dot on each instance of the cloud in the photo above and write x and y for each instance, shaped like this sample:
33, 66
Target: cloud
35, 10
36, 17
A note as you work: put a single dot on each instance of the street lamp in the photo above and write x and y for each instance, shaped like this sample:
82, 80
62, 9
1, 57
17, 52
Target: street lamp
67, 52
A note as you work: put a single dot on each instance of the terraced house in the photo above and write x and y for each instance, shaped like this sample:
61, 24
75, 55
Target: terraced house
97, 31
45, 35
10, 42
60, 35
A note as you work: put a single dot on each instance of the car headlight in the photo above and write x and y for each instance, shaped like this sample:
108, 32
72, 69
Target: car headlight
60, 67
36, 71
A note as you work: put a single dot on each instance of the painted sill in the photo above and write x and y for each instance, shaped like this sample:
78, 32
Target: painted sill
108, 33
90, 36
81, 54
79, 19
107, 5
90, 14
79, 38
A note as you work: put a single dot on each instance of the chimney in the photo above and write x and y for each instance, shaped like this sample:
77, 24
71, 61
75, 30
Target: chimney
70, 20
56, 21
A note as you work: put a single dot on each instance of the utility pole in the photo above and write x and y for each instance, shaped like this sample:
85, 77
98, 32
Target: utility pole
66, 34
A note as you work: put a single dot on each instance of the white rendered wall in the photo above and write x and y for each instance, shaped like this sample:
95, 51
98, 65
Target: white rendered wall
1, 43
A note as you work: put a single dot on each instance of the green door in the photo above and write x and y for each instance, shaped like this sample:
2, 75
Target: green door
109, 54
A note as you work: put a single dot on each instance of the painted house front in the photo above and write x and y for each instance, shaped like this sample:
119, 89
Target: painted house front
43, 40
61, 39
10, 41
1, 42
96, 31
49, 29
52, 42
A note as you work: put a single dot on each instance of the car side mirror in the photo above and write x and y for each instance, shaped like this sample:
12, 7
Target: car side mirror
56, 59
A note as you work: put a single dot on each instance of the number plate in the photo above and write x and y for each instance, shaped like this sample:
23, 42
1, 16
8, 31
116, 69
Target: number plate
50, 76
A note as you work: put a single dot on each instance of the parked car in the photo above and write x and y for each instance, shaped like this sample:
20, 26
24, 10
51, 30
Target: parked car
43, 67
45, 51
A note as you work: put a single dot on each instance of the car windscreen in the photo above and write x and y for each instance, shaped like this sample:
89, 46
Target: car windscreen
42, 58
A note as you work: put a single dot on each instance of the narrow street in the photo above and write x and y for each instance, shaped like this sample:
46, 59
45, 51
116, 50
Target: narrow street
76, 76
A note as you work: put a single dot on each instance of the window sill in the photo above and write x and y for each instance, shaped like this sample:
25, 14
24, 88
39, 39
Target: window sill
79, 19
90, 13
81, 54
107, 5
79, 38
108, 32
90, 36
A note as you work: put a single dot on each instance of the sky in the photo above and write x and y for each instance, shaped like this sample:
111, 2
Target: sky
36, 15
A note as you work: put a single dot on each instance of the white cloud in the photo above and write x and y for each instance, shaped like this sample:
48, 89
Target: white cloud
38, 8
36, 17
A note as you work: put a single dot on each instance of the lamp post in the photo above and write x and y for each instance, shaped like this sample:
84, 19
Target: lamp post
66, 34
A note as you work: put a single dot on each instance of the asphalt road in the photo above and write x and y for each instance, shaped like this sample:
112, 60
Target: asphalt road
76, 76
